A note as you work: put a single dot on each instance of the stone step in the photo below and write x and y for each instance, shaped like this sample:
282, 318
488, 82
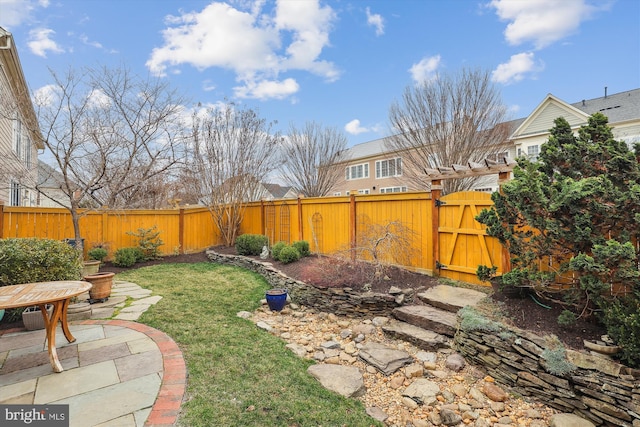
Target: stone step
451, 298
427, 317
421, 338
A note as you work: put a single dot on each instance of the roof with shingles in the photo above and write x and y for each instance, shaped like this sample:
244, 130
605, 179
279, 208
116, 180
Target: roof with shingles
618, 107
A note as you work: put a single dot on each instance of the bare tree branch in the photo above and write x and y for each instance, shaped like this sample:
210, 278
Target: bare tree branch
233, 151
110, 134
451, 120
309, 156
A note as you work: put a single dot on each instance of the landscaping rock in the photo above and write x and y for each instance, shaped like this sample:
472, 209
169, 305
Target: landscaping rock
451, 298
494, 392
345, 380
449, 417
386, 359
569, 420
455, 362
422, 391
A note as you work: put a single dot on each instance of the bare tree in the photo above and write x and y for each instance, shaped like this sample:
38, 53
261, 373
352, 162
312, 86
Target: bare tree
234, 150
453, 119
310, 155
110, 133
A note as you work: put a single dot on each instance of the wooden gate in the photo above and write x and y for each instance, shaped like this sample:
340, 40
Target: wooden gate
462, 241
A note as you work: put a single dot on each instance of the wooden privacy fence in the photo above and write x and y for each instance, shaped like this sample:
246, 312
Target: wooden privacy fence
441, 235
182, 230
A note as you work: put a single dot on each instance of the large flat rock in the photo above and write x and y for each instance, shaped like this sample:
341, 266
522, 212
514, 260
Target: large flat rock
421, 338
345, 380
451, 298
386, 359
427, 317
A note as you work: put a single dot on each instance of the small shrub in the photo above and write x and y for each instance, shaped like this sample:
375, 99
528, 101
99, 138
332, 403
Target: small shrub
472, 320
557, 363
622, 320
567, 318
303, 247
276, 248
251, 244
97, 254
288, 254
149, 242
555, 358
28, 260
126, 257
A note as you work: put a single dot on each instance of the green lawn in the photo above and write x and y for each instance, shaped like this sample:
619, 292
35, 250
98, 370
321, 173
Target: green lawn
238, 375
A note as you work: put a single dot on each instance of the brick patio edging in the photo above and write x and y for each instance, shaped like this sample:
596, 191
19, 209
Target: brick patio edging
166, 408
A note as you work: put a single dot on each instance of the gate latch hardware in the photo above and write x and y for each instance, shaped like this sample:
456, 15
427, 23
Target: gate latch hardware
440, 266
440, 203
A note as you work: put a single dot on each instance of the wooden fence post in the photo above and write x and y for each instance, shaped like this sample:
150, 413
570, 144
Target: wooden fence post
352, 224
181, 230
1, 219
436, 192
263, 220
300, 222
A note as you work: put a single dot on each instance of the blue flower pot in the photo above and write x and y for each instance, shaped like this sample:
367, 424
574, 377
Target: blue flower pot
276, 299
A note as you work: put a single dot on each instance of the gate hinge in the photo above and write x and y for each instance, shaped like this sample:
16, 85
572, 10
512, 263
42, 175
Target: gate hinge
440, 266
440, 203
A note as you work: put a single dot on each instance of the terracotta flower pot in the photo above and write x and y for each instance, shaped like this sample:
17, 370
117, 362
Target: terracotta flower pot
90, 267
101, 285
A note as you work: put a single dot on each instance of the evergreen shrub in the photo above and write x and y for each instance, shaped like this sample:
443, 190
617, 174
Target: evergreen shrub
289, 254
303, 247
251, 244
29, 260
276, 248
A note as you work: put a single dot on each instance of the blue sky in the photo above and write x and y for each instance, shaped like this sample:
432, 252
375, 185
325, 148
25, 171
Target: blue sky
340, 63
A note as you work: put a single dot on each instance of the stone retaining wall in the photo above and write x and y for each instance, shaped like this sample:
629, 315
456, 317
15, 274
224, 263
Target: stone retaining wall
340, 301
593, 387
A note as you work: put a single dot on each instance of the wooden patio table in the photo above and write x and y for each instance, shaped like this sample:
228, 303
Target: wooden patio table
56, 293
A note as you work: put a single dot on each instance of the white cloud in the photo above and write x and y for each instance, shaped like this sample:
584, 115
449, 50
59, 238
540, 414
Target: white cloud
251, 43
425, 70
16, 12
208, 85
99, 99
541, 22
46, 95
40, 42
88, 42
515, 70
377, 21
354, 128
267, 89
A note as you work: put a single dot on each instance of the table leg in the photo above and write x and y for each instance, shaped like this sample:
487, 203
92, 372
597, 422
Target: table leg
63, 320
50, 326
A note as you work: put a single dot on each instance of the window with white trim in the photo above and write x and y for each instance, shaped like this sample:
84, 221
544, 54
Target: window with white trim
532, 152
398, 189
15, 193
357, 171
17, 137
389, 168
363, 191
